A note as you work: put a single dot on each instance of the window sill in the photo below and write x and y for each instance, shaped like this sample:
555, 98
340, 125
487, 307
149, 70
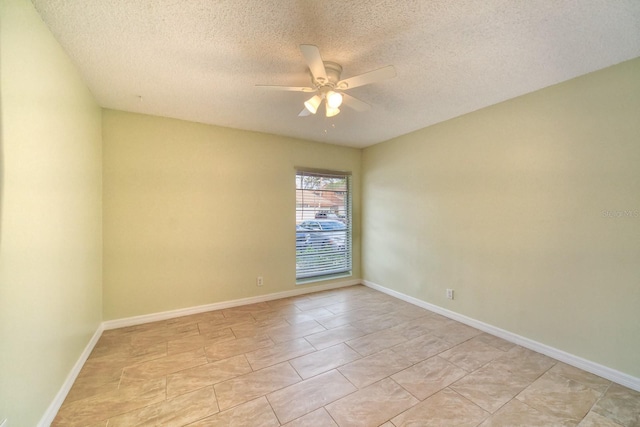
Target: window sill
314, 279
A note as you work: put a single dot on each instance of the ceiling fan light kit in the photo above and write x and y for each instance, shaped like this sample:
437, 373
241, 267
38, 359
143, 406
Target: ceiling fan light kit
325, 80
332, 111
313, 103
334, 99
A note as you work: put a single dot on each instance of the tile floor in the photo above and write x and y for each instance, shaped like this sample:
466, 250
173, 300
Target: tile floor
346, 357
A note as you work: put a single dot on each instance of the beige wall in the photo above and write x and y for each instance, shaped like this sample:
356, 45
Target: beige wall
50, 215
194, 213
510, 206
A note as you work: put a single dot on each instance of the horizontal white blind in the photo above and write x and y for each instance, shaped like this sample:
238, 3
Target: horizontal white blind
323, 223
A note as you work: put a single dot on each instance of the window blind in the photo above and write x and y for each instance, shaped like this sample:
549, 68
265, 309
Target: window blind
323, 224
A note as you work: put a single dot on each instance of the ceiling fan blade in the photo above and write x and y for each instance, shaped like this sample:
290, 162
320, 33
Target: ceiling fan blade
304, 113
355, 103
311, 54
366, 78
287, 88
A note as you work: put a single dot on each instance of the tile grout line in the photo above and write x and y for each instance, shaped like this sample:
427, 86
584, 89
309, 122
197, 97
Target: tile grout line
266, 397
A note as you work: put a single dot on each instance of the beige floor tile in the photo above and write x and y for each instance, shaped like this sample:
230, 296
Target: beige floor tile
227, 349
129, 330
258, 412
370, 369
437, 322
374, 308
414, 328
445, 408
331, 337
376, 341
559, 396
494, 341
204, 375
596, 420
111, 366
269, 356
286, 302
592, 381
344, 319
112, 350
178, 411
471, 354
195, 318
297, 330
318, 301
258, 328
276, 312
307, 315
90, 386
210, 326
371, 406
344, 306
421, 348
139, 354
163, 334
491, 386
237, 315
306, 396
152, 341
516, 413
621, 405
524, 362
456, 333
193, 342
409, 310
428, 377
324, 360
250, 386
103, 406
163, 366
243, 311
318, 418
379, 322
98, 375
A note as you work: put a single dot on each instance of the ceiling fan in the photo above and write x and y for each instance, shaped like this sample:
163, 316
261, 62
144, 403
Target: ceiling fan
326, 83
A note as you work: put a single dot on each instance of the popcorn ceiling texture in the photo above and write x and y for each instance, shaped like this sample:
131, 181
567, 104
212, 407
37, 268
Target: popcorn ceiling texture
199, 60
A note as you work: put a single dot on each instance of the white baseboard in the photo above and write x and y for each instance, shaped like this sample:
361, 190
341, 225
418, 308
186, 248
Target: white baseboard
55, 405
154, 317
570, 359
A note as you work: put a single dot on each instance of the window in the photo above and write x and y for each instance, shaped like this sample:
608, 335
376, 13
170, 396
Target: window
323, 224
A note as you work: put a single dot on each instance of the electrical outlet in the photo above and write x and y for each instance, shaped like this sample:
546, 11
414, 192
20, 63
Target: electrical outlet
449, 293
259, 281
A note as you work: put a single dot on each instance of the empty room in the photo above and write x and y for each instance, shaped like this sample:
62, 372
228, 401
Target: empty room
463, 179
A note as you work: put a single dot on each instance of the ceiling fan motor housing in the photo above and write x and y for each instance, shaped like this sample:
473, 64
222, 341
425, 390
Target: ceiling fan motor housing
333, 72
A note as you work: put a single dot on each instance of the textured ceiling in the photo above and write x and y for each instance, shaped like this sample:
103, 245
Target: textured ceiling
200, 60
